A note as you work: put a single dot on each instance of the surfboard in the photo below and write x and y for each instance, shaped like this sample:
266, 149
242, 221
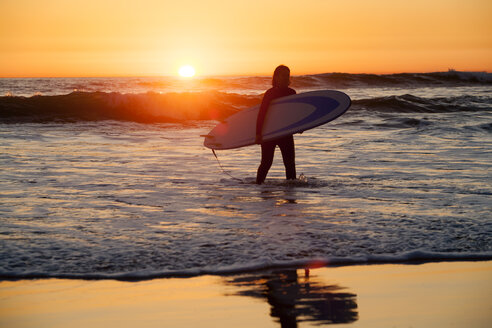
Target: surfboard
285, 116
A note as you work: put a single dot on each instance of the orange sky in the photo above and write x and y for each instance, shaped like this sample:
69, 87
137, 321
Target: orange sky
218, 37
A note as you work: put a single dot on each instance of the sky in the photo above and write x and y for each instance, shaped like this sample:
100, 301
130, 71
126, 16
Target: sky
53, 38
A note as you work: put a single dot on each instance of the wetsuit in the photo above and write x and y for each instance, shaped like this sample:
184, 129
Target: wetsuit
286, 144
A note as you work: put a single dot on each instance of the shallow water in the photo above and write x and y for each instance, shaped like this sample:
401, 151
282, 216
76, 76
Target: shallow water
404, 175
125, 198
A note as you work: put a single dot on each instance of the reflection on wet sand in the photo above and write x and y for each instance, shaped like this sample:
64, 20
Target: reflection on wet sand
296, 299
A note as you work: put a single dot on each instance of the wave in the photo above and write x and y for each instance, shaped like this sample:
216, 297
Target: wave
346, 80
144, 108
413, 104
338, 80
411, 257
238, 84
208, 105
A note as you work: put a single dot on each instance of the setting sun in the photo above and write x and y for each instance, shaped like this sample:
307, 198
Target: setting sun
152, 38
187, 71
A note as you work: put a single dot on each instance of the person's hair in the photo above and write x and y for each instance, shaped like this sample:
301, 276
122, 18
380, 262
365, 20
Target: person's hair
278, 79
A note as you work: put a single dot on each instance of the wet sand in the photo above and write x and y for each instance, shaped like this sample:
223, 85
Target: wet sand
445, 294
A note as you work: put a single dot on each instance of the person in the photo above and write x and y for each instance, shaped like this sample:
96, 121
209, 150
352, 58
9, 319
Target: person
280, 88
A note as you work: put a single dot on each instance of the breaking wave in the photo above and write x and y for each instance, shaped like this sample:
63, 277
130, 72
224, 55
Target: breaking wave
208, 105
406, 257
451, 78
238, 84
413, 104
144, 108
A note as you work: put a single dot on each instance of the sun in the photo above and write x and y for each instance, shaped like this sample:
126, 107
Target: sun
186, 71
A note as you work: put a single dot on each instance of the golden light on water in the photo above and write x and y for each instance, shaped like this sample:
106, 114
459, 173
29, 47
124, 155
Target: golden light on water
186, 71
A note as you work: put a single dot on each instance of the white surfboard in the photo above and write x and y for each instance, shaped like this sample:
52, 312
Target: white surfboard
286, 115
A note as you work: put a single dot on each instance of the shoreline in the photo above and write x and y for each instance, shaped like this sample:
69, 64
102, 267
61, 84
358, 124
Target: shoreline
406, 258
433, 294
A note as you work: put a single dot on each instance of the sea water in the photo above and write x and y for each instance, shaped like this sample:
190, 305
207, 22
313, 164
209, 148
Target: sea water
109, 178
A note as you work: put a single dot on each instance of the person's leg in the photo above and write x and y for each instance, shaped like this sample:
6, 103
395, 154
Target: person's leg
267, 152
289, 156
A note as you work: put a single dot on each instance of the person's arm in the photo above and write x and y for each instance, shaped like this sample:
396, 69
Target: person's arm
261, 117
269, 96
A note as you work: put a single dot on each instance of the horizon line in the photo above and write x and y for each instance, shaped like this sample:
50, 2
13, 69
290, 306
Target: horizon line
233, 75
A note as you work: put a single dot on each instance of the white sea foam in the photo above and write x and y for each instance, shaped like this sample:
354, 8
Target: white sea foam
404, 258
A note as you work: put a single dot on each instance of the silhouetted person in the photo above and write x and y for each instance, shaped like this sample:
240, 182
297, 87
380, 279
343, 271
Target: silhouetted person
280, 82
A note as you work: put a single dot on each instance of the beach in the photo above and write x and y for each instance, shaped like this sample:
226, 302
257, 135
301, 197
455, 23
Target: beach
114, 213
445, 294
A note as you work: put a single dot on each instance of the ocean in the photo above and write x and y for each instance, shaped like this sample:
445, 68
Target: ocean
108, 178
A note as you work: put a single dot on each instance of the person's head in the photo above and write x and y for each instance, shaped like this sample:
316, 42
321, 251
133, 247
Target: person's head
281, 76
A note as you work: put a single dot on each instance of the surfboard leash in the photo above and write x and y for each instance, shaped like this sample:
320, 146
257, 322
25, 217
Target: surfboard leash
223, 170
